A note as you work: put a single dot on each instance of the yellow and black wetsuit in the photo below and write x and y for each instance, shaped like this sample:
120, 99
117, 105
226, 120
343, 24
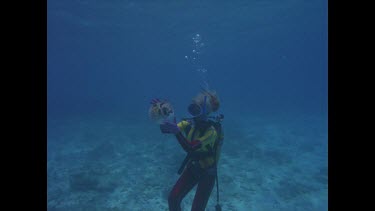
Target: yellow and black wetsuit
203, 154
201, 142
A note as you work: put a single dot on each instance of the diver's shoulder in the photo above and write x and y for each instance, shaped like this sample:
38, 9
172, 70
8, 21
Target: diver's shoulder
183, 124
212, 129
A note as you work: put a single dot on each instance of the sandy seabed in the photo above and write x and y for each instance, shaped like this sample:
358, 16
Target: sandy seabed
111, 165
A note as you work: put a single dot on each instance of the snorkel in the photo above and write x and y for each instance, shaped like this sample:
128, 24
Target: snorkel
198, 112
203, 114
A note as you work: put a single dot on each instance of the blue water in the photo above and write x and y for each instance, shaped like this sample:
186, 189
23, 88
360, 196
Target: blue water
266, 59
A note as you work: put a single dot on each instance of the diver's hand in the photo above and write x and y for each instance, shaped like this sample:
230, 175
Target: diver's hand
169, 127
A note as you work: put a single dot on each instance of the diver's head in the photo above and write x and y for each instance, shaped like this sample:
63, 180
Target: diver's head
198, 113
202, 105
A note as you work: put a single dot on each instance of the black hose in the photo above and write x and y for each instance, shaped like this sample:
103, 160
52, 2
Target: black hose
217, 207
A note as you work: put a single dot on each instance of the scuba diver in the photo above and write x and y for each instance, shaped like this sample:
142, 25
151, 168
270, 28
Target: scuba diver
201, 136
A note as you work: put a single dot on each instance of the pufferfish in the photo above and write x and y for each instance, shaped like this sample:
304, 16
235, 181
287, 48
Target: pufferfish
160, 110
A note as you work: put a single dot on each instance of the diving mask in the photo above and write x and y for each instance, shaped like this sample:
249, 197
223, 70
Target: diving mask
197, 111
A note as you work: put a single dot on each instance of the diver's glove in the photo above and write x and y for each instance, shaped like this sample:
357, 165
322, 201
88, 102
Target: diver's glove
169, 127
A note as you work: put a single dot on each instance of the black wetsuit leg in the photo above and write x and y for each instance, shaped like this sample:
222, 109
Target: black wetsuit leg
183, 185
204, 189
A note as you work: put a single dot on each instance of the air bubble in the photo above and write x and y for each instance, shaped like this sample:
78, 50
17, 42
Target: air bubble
197, 38
203, 70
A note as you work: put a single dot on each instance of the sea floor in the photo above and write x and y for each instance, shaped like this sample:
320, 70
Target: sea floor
110, 164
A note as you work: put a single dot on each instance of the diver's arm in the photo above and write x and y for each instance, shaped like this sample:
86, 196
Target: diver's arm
186, 145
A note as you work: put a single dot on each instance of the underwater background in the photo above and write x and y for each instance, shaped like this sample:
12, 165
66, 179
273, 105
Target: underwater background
266, 59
